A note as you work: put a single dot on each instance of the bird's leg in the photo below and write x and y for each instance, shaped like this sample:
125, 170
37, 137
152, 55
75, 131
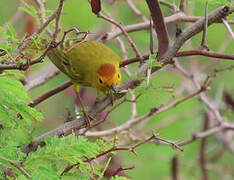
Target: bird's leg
112, 98
87, 116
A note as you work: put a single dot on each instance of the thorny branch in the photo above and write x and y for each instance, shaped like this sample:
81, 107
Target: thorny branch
130, 149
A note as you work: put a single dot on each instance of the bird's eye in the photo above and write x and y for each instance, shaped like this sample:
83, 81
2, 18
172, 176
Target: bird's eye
118, 76
100, 81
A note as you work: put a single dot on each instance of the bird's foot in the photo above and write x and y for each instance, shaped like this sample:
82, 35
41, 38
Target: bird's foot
88, 118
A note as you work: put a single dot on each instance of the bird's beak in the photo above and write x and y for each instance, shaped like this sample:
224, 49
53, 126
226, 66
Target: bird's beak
114, 88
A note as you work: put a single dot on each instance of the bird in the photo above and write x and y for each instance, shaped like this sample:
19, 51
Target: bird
88, 63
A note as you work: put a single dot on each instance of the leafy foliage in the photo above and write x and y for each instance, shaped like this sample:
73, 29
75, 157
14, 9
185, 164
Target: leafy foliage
51, 160
16, 119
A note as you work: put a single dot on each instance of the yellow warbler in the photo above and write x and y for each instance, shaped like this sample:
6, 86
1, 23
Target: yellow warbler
88, 63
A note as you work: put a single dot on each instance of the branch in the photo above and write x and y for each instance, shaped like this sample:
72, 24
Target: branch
203, 148
154, 111
178, 17
17, 165
228, 28
116, 148
182, 5
224, 126
50, 93
29, 40
215, 16
203, 42
175, 167
133, 45
136, 11
122, 169
205, 53
159, 26
48, 74
195, 52
132, 148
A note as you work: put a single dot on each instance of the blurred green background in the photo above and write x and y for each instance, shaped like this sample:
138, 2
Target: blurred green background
153, 161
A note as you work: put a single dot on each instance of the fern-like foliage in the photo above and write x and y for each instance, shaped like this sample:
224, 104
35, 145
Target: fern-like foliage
16, 119
51, 160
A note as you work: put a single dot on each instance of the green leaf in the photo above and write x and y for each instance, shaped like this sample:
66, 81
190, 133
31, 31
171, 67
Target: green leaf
157, 64
11, 30
28, 12
152, 62
3, 47
14, 100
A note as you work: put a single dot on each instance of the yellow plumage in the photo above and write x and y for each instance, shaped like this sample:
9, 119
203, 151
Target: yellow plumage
88, 63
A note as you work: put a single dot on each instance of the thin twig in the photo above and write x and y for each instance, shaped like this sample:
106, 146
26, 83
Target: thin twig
203, 42
169, 5
228, 28
138, 54
202, 96
224, 126
174, 168
29, 40
17, 165
136, 11
42, 15
116, 148
35, 35
178, 17
50, 93
122, 169
129, 124
201, 52
203, 148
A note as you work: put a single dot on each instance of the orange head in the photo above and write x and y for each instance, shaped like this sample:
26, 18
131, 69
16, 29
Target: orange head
108, 77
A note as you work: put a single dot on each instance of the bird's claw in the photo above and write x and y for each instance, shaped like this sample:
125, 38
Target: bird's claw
88, 118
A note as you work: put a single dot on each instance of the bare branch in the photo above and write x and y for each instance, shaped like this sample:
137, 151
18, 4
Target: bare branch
182, 5
203, 148
174, 168
129, 124
136, 11
124, 33
209, 132
42, 15
160, 27
228, 28
215, 16
122, 169
203, 42
205, 53
50, 93
43, 78
17, 165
